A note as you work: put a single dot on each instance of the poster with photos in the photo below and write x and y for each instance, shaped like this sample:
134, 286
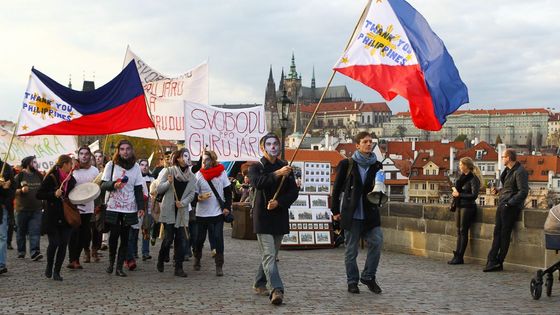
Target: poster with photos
298, 173
291, 238
322, 237
302, 202
319, 201
317, 178
307, 237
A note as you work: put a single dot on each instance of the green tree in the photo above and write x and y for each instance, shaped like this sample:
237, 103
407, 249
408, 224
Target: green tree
400, 132
461, 138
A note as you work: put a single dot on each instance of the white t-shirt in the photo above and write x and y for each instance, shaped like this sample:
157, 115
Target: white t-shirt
210, 207
122, 200
85, 176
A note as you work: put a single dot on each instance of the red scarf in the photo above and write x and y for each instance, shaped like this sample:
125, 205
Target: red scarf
63, 175
212, 172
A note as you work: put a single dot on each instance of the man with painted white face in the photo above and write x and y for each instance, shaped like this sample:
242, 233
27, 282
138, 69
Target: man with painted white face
359, 218
81, 237
270, 216
28, 211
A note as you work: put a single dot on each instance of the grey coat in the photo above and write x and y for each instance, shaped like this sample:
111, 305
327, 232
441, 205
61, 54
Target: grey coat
167, 206
515, 187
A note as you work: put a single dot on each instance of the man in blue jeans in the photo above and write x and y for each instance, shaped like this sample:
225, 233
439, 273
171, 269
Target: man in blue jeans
270, 216
357, 215
28, 209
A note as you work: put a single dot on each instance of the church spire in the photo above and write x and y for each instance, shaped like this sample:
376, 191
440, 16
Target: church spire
293, 73
281, 85
313, 79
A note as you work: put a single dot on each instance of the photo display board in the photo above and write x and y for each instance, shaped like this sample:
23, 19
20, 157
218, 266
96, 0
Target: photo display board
310, 215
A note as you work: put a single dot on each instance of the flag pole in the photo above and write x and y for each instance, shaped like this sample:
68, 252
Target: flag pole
5, 161
321, 99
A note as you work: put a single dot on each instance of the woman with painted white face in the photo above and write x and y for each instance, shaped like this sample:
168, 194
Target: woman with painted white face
178, 184
209, 212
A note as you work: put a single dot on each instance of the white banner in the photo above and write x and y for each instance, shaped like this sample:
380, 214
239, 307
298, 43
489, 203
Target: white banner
46, 148
165, 96
233, 134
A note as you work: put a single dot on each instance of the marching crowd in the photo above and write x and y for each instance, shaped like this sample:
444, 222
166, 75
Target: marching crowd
184, 203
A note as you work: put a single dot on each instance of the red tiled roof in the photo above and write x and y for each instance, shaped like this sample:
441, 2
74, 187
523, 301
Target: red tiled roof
332, 157
554, 117
375, 107
396, 182
344, 107
538, 166
403, 166
490, 155
440, 149
348, 148
492, 112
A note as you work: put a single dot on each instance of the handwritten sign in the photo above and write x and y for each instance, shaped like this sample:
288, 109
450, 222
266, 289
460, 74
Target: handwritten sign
46, 148
233, 134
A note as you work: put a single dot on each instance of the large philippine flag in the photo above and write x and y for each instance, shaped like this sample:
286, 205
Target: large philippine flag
50, 108
395, 52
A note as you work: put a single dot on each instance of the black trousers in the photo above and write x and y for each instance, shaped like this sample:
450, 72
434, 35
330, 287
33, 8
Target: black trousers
96, 237
175, 236
118, 231
505, 221
58, 241
465, 217
80, 238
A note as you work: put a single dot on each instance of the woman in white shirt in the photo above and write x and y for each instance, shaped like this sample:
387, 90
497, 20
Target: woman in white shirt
213, 205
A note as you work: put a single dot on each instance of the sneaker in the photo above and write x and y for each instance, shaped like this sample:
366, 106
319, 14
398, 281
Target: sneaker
153, 241
213, 253
103, 247
353, 288
372, 285
21, 256
277, 297
37, 256
3, 270
261, 291
131, 265
146, 257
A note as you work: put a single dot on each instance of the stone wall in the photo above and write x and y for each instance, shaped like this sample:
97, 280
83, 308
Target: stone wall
430, 230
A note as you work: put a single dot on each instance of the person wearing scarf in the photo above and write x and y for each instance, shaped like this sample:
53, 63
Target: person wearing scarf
122, 180
359, 218
209, 212
57, 228
80, 238
178, 184
465, 194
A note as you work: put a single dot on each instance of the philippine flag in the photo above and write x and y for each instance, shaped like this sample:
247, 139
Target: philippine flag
50, 108
395, 52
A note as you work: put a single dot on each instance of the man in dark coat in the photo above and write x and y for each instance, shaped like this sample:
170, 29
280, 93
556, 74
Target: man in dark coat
358, 217
6, 196
511, 200
270, 216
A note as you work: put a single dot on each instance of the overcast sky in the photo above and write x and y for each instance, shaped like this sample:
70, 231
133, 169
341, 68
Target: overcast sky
507, 51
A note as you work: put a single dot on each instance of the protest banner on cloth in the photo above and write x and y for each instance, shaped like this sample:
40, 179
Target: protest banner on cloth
46, 148
233, 134
165, 95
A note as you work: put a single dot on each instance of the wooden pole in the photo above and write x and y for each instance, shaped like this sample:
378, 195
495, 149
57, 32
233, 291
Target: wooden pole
321, 100
5, 161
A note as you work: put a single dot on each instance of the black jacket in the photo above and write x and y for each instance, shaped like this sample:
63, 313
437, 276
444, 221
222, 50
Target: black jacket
275, 222
54, 213
351, 191
515, 187
7, 195
468, 187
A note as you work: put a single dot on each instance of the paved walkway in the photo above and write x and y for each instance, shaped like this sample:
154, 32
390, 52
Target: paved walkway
314, 280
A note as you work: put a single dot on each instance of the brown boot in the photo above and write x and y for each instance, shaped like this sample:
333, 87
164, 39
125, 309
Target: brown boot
197, 256
95, 255
219, 258
87, 256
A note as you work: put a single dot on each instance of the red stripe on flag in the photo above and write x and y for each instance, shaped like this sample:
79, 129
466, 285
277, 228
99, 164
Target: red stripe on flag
406, 81
126, 117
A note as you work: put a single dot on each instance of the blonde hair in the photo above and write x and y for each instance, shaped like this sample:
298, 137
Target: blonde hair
213, 156
468, 162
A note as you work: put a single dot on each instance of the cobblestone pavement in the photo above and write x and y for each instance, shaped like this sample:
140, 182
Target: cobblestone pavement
314, 281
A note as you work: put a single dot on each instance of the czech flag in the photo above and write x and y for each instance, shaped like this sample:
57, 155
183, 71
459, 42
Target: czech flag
50, 108
395, 52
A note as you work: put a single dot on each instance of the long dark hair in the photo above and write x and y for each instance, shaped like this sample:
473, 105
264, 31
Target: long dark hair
63, 159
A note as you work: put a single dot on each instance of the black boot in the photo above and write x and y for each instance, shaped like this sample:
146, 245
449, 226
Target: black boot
49, 269
56, 274
219, 258
159, 265
120, 262
457, 259
179, 272
111, 264
197, 256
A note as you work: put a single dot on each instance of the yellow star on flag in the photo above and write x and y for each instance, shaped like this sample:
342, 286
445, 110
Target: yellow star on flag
378, 1
344, 60
24, 128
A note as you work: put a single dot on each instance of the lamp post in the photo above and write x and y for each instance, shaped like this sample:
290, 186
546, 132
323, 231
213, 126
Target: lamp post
284, 111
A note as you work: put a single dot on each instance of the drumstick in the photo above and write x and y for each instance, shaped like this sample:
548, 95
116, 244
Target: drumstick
161, 230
